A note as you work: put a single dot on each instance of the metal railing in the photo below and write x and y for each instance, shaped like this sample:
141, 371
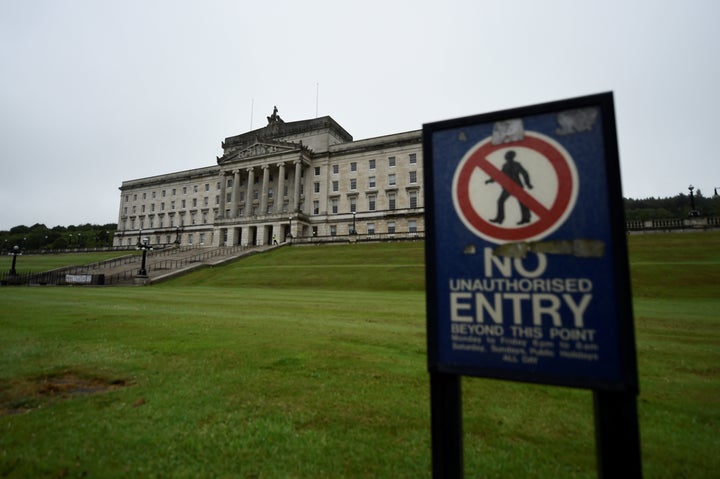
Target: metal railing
358, 238
674, 224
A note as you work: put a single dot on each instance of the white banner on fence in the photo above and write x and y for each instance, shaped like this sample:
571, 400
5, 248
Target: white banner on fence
78, 278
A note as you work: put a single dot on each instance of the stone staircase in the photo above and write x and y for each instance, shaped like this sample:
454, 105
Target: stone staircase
161, 264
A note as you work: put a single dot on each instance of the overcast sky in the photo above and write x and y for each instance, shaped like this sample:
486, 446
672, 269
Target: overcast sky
93, 92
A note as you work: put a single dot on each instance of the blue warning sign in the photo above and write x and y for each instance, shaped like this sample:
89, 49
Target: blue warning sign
527, 273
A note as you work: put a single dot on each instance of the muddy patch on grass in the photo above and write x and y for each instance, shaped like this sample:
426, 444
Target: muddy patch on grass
26, 394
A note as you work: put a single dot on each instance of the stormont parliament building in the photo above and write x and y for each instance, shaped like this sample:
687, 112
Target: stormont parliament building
307, 180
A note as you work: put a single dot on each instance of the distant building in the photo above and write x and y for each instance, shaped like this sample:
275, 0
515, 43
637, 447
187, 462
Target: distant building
302, 178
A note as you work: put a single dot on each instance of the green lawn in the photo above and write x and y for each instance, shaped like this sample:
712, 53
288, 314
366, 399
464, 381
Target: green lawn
304, 363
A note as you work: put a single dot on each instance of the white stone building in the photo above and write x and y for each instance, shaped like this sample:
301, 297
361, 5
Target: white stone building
304, 179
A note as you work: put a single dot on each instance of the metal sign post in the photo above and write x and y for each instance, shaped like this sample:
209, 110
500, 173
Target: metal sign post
527, 268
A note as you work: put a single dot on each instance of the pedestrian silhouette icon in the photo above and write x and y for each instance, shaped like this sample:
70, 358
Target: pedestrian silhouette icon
519, 175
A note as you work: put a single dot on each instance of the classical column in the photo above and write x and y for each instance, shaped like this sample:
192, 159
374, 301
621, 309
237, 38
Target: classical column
264, 191
296, 193
221, 204
280, 195
249, 193
235, 194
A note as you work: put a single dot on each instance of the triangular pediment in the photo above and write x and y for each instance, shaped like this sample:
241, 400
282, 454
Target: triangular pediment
266, 148
261, 148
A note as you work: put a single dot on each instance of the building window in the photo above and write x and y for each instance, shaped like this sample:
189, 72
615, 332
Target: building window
202, 238
255, 194
127, 198
172, 205
206, 201
142, 209
412, 226
144, 196
270, 193
391, 179
333, 230
316, 187
391, 201
413, 158
334, 204
371, 202
194, 202
413, 177
184, 190
371, 164
353, 184
371, 228
195, 188
135, 197
391, 161
153, 195
336, 169
413, 199
152, 207
317, 171
371, 182
353, 166
207, 186
391, 226
335, 185
353, 204
316, 207
183, 204
228, 197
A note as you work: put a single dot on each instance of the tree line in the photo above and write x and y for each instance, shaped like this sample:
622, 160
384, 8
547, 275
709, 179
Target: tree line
40, 237
679, 206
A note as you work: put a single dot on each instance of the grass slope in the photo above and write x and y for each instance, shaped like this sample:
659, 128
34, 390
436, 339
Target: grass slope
310, 362
36, 263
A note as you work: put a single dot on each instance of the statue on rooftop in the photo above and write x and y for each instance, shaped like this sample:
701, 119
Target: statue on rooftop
274, 118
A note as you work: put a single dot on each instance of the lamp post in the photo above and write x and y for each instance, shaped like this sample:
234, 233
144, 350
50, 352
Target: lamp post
144, 246
693, 211
15, 252
354, 231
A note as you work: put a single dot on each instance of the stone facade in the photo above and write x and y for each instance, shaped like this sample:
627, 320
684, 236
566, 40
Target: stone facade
296, 179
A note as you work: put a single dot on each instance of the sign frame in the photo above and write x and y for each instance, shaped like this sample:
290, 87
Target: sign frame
624, 370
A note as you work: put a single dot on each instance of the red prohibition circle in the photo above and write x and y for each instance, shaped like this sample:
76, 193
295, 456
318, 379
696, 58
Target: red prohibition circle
548, 218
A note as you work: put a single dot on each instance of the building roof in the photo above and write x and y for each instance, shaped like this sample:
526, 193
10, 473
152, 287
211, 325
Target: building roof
278, 129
